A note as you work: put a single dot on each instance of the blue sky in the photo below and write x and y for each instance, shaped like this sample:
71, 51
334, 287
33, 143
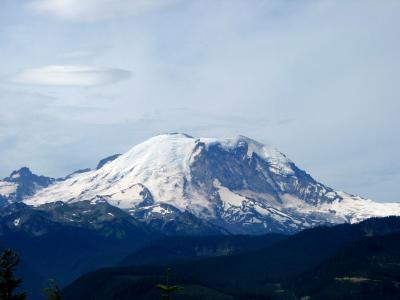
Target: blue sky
318, 79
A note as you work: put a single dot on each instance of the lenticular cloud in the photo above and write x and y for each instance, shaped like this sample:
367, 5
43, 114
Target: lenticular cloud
71, 75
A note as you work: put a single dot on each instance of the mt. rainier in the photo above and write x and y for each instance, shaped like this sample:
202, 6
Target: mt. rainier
238, 185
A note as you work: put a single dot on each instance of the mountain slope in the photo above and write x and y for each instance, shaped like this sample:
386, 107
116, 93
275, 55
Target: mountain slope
22, 183
62, 241
283, 270
238, 184
368, 268
177, 248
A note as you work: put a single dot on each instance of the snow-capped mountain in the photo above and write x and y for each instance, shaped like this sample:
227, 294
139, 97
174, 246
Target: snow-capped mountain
20, 184
237, 184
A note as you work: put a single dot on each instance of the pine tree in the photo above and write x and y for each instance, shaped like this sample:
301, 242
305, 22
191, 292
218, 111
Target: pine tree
52, 290
8, 282
166, 288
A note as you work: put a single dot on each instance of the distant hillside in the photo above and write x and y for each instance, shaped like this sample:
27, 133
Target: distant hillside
183, 248
273, 272
368, 268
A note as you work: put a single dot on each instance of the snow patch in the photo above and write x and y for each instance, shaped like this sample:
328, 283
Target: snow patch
160, 210
227, 196
7, 188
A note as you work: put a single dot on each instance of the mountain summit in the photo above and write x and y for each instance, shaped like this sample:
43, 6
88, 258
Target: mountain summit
237, 184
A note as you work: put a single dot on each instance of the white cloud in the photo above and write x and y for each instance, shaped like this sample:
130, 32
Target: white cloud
91, 10
69, 75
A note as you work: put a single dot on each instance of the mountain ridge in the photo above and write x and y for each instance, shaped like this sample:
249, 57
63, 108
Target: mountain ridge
235, 183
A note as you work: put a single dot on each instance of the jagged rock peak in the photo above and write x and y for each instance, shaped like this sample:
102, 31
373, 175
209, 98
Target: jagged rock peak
107, 160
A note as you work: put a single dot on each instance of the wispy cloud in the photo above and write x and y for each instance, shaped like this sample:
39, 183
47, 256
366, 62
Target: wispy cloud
91, 10
70, 75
